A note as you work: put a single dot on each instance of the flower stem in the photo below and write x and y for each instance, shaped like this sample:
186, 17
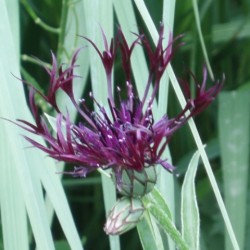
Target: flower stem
198, 24
37, 19
63, 22
165, 222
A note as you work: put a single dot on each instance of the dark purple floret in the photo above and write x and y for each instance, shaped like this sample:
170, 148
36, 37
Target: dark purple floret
125, 136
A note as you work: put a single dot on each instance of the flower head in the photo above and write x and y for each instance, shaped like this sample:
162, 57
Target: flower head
126, 136
125, 214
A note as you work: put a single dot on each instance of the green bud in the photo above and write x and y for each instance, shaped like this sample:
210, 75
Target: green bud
133, 183
125, 215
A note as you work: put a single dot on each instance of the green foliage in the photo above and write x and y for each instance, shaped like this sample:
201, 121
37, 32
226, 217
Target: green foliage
234, 142
189, 208
30, 190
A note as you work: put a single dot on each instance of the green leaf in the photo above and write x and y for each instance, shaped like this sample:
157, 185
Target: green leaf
76, 27
189, 207
234, 125
147, 228
13, 14
164, 222
25, 186
157, 198
52, 121
12, 204
224, 32
62, 245
146, 233
27, 170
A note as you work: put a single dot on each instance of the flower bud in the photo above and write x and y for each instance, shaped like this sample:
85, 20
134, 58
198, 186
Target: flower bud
134, 183
125, 215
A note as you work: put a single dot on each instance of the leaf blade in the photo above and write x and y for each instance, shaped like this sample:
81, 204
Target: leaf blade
234, 140
189, 207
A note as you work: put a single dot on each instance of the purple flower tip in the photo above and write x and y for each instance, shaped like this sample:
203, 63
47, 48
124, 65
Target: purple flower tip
129, 138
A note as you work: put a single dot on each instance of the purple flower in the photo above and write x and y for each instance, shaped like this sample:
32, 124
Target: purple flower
125, 136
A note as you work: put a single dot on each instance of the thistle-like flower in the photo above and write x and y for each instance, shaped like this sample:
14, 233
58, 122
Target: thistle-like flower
124, 138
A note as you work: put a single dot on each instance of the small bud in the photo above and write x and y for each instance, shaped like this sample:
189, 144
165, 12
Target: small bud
134, 183
125, 215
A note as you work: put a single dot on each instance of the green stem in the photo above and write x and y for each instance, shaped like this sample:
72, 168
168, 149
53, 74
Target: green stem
63, 22
165, 222
36, 61
197, 20
37, 19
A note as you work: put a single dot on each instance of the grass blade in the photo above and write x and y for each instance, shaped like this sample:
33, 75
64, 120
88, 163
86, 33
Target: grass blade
234, 143
205, 160
75, 28
54, 190
198, 25
189, 207
15, 234
166, 182
30, 184
13, 14
11, 93
224, 32
28, 167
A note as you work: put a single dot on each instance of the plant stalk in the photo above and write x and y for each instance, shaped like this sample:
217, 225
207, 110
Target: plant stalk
63, 23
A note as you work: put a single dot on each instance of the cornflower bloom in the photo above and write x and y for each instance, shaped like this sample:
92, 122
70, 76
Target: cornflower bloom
125, 138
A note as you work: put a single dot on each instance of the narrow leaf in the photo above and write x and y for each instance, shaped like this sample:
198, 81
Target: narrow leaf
234, 143
15, 234
198, 25
29, 167
29, 184
146, 233
157, 197
189, 207
165, 222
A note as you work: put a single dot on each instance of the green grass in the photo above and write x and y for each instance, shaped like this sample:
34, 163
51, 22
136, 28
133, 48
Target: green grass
42, 209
